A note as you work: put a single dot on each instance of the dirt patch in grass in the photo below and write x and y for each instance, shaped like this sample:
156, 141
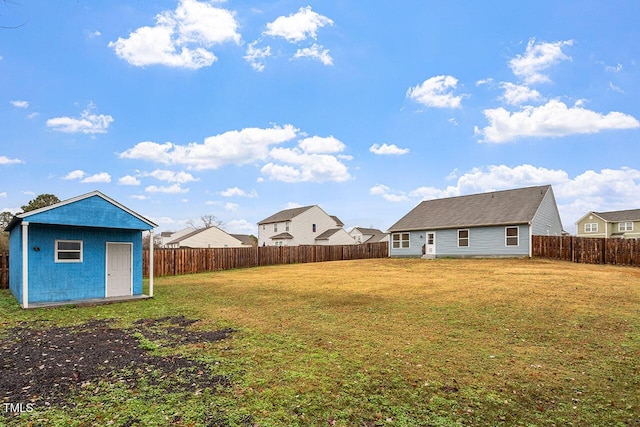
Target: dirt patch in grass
46, 365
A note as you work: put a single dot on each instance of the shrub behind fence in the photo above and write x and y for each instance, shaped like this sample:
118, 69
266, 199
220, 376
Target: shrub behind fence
169, 262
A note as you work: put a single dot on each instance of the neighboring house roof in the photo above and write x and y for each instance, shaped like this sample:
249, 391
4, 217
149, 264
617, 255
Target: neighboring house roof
282, 236
284, 215
327, 234
379, 237
245, 239
517, 206
186, 236
337, 220
371, 231
617, 216
25, 215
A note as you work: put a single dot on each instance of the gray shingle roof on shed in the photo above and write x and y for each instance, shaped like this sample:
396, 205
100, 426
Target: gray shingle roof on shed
617, 216
517, 206
285, 215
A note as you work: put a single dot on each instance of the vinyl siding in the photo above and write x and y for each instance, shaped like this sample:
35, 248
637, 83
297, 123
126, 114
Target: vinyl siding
602, 227
546, 221
340, 237
54, 281
483, 241
415, 245
300, 228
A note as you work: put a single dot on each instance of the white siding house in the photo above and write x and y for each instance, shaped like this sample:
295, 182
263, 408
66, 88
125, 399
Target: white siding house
210, 237
306, 225
368, 235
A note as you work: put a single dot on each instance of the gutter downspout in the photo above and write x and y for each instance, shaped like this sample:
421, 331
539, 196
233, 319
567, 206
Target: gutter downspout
530, 240
25, 264
151, 263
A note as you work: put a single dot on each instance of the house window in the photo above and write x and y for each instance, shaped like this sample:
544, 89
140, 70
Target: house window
68, 251
625, 226
313, 228
591, 227
400, 241
463, 238
275, 227
511, 236
287, 225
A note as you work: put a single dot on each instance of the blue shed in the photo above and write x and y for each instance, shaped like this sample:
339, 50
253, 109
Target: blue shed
85, 248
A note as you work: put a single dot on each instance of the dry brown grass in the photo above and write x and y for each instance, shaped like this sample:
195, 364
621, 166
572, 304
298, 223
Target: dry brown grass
520, 341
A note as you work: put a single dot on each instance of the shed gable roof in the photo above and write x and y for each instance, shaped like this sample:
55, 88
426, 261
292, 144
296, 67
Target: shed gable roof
517, 206
88, 210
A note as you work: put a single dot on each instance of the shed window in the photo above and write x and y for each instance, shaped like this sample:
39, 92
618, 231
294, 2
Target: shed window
463, 238
625, 226
400, 240
591, 227
511, 236
68, 251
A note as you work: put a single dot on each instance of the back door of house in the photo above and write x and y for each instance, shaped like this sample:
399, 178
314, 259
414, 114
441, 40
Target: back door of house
430, 247
119, 272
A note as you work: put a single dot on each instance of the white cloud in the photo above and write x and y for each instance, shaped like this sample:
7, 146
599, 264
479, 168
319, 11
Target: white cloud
537, 59
612, 69
20, 104
316, 52
388, 149
238, 192
232, 147
298, 26
180, 38
231, 207
554, 119
129, 180
99, 177
140, 197
436, 92
171, 189
306, 163
256, 56
76, 174
4, 160
88, 122
319, 145
171, 176
517, 94
3, 194
240, 226
387, 193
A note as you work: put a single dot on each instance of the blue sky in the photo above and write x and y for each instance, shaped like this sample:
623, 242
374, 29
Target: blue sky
239, 109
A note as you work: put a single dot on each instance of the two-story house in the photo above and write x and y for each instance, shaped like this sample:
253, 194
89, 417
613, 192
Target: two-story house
307, 225
368, 235
623, 224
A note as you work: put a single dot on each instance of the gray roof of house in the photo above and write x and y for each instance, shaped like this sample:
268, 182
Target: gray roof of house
282, 236
246, 239
325, 235
517, 206
372, 231
284, 215
186, 236
376, 238
617, 216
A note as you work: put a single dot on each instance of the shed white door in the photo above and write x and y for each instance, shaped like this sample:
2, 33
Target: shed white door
119, 272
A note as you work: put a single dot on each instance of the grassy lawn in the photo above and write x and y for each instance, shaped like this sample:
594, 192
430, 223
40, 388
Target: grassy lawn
374, 342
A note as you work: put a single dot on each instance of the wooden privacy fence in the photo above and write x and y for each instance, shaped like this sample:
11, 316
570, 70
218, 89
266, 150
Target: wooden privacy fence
4, 270
170, 262
588, 250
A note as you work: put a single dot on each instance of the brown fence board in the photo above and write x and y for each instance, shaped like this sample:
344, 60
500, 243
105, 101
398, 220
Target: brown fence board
171, 262
588, 250
4, 270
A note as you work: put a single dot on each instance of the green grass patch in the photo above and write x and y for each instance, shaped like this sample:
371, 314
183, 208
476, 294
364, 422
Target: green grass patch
372, 343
